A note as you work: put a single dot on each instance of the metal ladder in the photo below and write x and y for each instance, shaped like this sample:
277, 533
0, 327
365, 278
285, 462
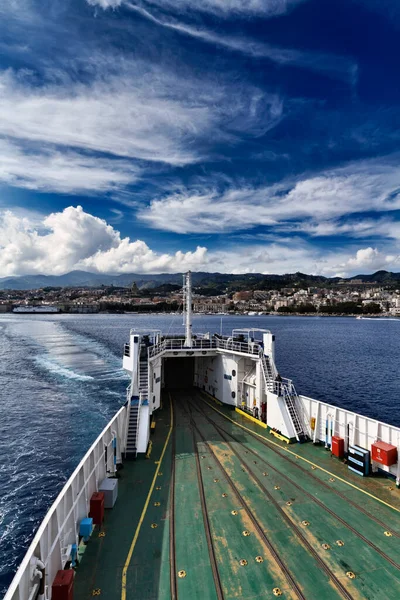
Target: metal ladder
133, 428
144, 379
268, 373
290, 396
287, 390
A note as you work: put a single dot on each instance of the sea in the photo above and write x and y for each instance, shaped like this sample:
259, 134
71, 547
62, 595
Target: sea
61, 381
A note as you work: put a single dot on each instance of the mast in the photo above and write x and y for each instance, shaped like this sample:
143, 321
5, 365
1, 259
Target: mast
188, 308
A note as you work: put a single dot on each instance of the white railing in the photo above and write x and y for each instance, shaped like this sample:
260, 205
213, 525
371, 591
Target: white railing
128, 413
60, 527
202, 343
179, 344
353, 427
242, 347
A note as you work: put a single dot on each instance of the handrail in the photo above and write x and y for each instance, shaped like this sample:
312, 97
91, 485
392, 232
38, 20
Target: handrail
68, 512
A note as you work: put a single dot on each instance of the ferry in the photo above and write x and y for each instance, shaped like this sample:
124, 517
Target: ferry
41, 309
218, 480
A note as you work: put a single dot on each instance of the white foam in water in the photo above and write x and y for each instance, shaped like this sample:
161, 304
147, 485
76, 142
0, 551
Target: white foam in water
62, 371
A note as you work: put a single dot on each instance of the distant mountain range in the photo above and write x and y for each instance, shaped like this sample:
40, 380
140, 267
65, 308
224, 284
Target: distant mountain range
207, 282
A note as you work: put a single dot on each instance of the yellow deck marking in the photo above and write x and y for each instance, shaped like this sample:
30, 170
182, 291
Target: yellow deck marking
149, 449
304, 459
142, 516
244, 414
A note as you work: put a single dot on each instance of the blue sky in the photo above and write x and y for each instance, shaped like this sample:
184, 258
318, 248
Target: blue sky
229, 135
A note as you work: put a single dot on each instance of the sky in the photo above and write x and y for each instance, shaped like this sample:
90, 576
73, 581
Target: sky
238, 136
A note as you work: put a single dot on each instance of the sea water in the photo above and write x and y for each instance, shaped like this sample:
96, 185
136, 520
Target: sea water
61, 381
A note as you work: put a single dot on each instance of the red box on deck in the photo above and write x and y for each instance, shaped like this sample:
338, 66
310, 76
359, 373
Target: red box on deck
384, 453
63, 585
97, 508
337, 446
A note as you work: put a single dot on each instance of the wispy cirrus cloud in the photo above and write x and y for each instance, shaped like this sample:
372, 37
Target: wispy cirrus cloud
303, 204
222, 8
338, 67
138, 113
49, 169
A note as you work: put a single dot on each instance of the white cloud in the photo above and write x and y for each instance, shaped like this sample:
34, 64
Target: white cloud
129, 257
142, 113
356, 188
49, 169
220, 7
334, 66
74, 239
105, 3
370, 259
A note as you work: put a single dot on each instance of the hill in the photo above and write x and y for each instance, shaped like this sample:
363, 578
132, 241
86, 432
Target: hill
206, 283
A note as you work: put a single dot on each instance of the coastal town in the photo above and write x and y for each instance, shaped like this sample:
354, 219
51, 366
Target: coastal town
350, 297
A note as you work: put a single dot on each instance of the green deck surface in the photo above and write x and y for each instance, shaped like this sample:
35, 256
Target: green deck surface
329, 497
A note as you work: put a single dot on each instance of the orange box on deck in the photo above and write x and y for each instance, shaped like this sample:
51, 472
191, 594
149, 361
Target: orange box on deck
337, 446
97, 508
63, 585
384, 453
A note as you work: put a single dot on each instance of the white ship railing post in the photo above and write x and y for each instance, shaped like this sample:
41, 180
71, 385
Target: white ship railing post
188, 309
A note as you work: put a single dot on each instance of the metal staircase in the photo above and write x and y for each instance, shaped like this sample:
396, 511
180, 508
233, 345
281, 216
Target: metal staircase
144, 380
268, 373
134, 409
133, 428
292, 401
286, 389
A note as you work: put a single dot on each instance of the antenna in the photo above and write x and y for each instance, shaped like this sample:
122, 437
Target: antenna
188, 308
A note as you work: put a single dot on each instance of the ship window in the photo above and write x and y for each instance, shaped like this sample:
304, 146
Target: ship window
233, 395
154, 399
154, 375
233, 373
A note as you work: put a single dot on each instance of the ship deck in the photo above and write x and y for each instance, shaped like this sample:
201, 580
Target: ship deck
220, 510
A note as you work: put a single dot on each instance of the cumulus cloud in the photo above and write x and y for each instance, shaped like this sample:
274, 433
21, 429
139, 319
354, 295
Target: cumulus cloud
75, 239
356, 188
370, 259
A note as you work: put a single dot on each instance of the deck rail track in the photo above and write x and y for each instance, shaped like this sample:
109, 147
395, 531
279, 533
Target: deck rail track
225, 433
172, 549
341, 588
289, 577
211, 550
265, 443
